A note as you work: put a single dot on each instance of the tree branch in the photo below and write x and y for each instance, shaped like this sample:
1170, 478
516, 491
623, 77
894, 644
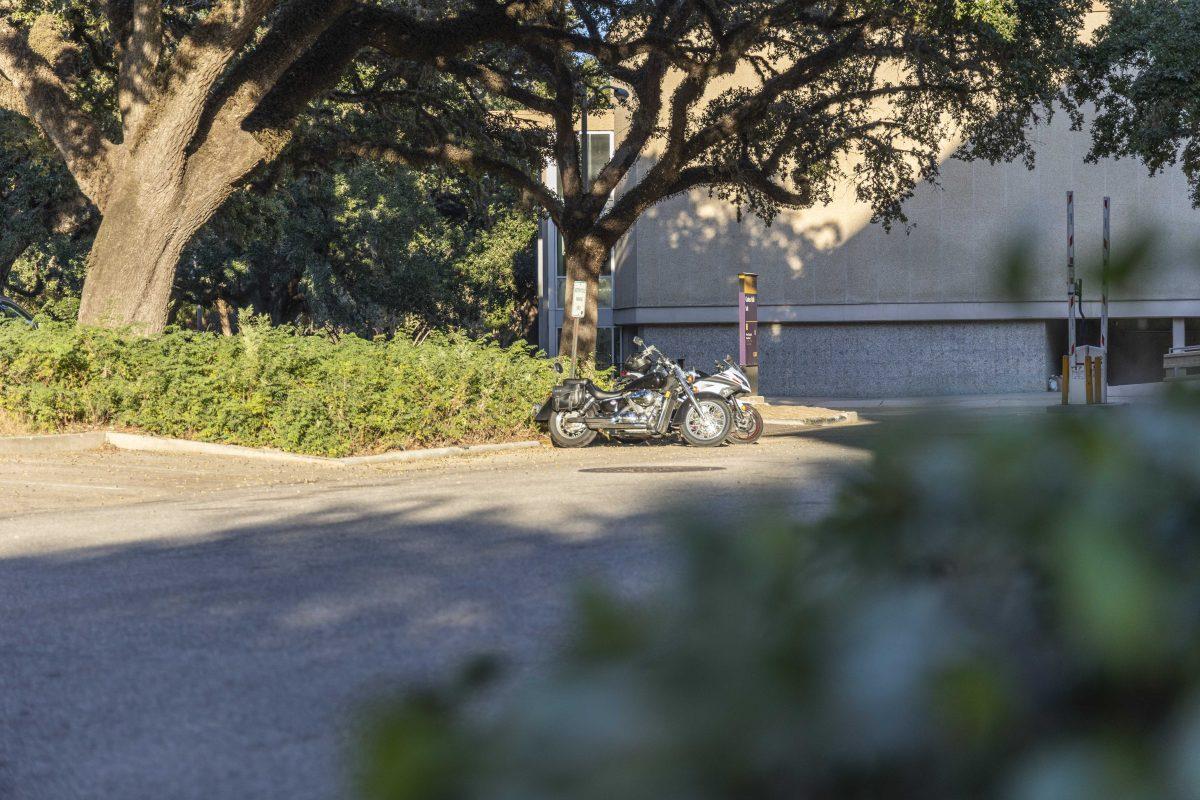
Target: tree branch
496, 82
199, 62
34, 90
141, 48
461, 158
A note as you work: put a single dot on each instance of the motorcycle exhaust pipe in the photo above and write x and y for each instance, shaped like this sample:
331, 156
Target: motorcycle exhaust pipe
606, 424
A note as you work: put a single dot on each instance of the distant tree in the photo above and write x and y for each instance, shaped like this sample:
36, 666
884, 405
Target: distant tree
39, 204
766, 103
1141, 74
365, 247
160, 109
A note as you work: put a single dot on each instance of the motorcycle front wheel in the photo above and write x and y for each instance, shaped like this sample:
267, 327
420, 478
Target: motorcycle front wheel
707, 423
569, 434
747, 426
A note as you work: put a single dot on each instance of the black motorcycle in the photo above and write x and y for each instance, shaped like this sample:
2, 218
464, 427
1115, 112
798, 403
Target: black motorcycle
657, 403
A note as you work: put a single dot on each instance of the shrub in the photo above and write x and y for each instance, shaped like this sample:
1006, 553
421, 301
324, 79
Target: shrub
1013, 614
272, 387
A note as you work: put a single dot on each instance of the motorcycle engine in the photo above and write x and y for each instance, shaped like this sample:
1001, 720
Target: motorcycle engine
644, 398
643, 406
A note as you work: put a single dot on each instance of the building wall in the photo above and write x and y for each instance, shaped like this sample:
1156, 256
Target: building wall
877, 360
690, 248
852, 309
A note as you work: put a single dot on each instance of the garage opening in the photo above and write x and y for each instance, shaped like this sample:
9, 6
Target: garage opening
1136, 345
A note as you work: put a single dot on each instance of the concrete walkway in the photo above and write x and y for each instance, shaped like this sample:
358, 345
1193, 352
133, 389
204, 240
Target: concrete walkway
1134, 393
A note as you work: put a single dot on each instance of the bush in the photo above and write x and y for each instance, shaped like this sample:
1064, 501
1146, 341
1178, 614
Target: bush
271, 387
1007, 614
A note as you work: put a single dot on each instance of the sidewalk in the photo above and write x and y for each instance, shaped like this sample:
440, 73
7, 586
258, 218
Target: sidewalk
1134, 393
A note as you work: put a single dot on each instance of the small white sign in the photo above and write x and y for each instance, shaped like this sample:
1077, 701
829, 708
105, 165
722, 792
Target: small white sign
578, 299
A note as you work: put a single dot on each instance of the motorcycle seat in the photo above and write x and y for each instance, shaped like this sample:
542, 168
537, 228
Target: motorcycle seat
600, 394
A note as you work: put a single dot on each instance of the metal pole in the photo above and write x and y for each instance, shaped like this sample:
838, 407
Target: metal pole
1104, 281
1071, 275
583, 166
1066, 379
574, 344
1103, 398
583, 136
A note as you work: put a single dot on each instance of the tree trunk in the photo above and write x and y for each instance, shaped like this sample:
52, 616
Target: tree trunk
585, 258
225, 316
131, 266
151, 213
11, 248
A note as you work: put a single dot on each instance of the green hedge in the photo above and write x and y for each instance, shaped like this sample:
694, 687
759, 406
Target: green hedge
273, 387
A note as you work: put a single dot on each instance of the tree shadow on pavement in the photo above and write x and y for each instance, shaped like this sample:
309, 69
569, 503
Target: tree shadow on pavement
227, 665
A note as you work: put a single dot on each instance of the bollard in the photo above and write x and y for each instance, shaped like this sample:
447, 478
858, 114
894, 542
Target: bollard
1087, 377
1066, 379
1098, 379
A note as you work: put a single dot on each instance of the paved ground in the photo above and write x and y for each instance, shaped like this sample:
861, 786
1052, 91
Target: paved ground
202, 628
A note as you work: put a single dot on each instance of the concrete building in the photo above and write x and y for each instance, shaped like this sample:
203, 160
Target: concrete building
848, 309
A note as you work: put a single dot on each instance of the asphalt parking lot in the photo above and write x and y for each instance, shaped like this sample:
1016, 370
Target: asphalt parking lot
203, 627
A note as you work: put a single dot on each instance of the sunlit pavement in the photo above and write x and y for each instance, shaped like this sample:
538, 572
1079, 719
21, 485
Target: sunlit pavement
214, 632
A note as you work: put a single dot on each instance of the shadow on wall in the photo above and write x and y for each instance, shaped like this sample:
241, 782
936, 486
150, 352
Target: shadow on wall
690, 249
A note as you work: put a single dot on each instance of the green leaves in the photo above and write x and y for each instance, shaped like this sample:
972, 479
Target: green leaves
1141, 74
271, 387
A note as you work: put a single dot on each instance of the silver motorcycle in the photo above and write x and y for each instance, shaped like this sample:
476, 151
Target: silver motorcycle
656, 402
732, 384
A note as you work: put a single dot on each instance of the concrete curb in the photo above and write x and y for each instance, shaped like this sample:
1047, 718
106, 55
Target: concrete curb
80, 442
815, 422
57, 443
833, 418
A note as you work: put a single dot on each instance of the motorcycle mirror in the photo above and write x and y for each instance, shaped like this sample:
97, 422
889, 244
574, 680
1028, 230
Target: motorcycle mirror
638, 341
558, 368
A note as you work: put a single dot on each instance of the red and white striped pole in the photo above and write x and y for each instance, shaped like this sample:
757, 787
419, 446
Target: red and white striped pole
1104, 283
1071, 275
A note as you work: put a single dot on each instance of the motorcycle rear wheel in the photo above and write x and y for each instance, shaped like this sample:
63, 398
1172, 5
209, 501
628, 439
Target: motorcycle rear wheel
708, 430
747, 426
569, 434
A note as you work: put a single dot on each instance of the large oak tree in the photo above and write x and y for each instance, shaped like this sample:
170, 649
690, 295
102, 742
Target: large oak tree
199, 94
767, 103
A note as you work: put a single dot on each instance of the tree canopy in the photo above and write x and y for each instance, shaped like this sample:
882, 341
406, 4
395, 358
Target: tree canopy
159, 110
1141, 74
766, 103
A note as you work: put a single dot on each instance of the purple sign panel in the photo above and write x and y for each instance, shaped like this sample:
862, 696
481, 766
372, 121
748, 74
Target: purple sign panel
748, 320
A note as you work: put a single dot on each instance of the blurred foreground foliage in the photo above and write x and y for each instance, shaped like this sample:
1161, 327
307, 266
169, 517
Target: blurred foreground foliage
1010, 611
273, 386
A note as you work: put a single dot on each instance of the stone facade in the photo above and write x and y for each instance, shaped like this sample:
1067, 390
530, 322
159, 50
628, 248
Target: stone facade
877, 360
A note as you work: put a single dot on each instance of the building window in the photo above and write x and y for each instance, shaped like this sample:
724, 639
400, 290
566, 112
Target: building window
604, 292
600, 150
608, 346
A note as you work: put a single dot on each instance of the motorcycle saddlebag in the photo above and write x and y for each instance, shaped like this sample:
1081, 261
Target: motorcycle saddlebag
569, 395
